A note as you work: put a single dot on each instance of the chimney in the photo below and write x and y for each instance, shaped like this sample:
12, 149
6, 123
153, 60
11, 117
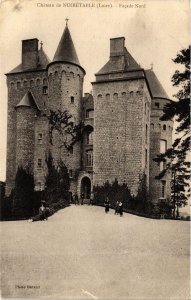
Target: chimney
30, 53
117, 46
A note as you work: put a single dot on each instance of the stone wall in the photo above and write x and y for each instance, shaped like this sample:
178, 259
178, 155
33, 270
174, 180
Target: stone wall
18, 85
119, 131
25, 128
65, 93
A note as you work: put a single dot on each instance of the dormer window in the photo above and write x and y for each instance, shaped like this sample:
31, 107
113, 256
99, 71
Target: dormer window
45, 90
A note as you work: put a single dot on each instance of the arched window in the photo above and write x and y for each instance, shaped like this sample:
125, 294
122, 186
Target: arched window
12, 84
123, 95
38, 82
99, 97
63, 73
107, 96
131, 93
18, 85
25, 83
71, 74
159, 126
56, 74
115, 96
45, 81
138, 93
164, 127
32, 83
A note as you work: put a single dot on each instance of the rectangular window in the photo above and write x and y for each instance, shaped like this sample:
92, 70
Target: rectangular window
40, 138
39, 163
163, 191
89, 113
45, 90
162, 165
163, 146
89, 158
157, 104
145, 157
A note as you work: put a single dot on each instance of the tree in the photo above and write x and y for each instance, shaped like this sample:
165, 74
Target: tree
181, 109
57, 182
61, 122
23, 194
177, 156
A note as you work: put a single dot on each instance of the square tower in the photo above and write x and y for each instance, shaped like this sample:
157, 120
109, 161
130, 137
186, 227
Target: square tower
121, 120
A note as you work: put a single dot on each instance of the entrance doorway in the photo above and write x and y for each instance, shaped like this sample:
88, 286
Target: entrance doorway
86, 187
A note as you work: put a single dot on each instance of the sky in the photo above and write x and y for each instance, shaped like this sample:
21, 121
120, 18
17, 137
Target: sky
154, 33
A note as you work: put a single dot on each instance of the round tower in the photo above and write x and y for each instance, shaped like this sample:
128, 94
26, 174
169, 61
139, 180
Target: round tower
26, 111
160, 141
65, 81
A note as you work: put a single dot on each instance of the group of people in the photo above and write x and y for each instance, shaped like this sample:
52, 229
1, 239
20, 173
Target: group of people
118, 207
78, 201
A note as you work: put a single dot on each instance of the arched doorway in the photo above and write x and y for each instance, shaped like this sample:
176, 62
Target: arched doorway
86, 187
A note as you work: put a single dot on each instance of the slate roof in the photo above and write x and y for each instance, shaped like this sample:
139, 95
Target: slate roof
156, 88
123, 63
66, 51
42, 64
28, 101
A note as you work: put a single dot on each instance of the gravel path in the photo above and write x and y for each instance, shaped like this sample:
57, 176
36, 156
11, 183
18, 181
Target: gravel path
83, 253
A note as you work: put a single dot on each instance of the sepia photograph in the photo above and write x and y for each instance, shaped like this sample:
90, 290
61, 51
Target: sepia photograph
94, 151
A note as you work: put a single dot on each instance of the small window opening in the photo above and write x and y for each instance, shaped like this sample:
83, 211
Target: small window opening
39, 163
72, 99
156, 104
45, 90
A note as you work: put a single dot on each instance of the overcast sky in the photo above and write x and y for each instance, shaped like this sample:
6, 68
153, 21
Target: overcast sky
153, 34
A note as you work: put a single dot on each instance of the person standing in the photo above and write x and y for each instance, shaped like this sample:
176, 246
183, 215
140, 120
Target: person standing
121, 209
117, 207
107, 204
42, 212
82, 198
91, 198
76, 200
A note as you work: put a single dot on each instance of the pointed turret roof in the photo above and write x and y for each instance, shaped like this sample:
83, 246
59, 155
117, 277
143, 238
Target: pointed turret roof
28, 101
66, 51
156, 88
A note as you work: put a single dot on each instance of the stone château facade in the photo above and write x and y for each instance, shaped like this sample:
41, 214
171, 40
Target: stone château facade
122, 133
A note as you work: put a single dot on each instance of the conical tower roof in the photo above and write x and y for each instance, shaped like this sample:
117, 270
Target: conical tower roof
28, 101
155, 86
66, 51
